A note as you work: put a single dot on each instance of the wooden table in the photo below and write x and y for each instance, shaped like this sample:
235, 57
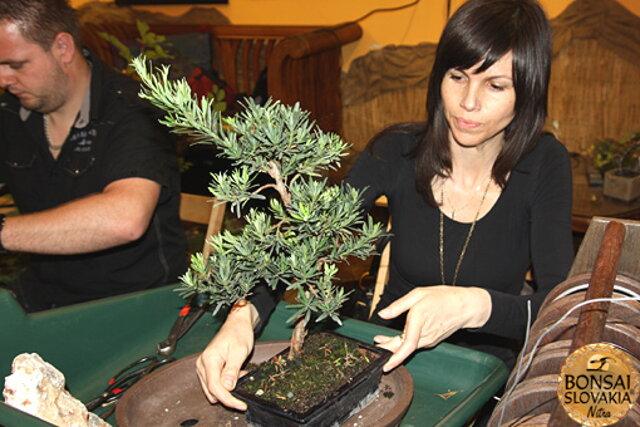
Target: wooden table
588, 201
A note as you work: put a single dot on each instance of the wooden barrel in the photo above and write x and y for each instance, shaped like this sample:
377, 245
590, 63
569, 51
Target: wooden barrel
626, 311
623, 286
536, 391
531, 402
548, 359
615, 331
542, 420
563, 326
530, 397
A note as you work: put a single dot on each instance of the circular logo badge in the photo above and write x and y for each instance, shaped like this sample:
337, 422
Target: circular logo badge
598, 385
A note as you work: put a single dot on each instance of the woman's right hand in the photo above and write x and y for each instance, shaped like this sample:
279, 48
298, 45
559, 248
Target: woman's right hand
218, 366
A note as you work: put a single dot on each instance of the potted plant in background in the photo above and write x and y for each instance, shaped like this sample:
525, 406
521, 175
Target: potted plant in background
296, 243
153, 46
618, 160
156, 48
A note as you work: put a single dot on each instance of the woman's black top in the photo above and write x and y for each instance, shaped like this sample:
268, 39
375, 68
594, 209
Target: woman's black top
528, 227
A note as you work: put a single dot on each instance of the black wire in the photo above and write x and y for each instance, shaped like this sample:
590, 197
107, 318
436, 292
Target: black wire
126, 378
387, 9
337, 27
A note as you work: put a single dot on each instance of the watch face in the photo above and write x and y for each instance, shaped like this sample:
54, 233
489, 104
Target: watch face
598, 385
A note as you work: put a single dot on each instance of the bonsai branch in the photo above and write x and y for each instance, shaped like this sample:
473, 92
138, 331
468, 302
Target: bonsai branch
278, 224
297, 338
280, 186
312, 289
264, 187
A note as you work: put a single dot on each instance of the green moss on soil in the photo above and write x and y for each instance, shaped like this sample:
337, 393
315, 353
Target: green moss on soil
327, 363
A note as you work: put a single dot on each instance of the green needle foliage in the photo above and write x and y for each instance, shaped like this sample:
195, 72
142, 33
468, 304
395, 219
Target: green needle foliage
298, 240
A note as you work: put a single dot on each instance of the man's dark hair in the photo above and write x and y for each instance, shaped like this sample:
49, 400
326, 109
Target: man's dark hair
484, 31
41, 20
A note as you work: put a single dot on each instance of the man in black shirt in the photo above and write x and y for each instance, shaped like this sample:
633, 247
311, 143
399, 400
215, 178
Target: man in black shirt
94, 176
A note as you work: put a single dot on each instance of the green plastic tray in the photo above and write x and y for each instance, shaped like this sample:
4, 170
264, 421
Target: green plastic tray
90, 342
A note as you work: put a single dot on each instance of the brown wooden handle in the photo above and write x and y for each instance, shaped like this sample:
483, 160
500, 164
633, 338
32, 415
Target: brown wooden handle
593, 316
321, 39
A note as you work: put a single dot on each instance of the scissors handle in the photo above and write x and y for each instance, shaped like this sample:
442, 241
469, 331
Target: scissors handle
188, 316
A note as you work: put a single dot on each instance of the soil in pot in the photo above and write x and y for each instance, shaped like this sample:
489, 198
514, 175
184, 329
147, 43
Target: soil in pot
172, 396
334, 373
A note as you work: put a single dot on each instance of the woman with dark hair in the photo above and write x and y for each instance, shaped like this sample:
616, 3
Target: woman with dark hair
493, 193
478, 195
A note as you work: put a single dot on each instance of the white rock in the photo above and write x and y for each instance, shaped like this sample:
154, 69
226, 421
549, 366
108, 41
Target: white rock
36, 387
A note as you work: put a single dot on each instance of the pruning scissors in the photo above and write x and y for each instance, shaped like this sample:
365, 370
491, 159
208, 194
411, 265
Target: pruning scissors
187, 317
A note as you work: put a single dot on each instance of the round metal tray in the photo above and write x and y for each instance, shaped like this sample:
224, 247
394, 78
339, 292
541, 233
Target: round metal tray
172, 397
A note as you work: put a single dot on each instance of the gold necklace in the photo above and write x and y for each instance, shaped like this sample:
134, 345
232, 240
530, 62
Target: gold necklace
454, 209
46, 134
466, 242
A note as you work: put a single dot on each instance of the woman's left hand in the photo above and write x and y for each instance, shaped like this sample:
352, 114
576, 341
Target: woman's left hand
434, 313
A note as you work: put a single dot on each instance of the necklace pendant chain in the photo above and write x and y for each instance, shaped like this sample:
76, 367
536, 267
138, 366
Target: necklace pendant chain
466, 241
53, 147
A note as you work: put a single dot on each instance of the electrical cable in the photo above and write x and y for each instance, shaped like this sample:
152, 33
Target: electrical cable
336, 27
386, 9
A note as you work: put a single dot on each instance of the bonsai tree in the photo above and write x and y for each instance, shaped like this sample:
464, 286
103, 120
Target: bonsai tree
305, 231
620, 155
629, 158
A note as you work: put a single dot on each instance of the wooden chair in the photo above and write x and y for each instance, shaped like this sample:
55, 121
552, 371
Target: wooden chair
203, 210
382, 276
302, 62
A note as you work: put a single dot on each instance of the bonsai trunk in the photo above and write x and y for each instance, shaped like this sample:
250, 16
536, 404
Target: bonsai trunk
297, 338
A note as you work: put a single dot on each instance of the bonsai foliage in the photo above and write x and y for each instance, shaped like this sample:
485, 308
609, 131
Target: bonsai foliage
297, 241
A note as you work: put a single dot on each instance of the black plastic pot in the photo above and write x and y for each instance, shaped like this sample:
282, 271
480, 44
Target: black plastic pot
333, 409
